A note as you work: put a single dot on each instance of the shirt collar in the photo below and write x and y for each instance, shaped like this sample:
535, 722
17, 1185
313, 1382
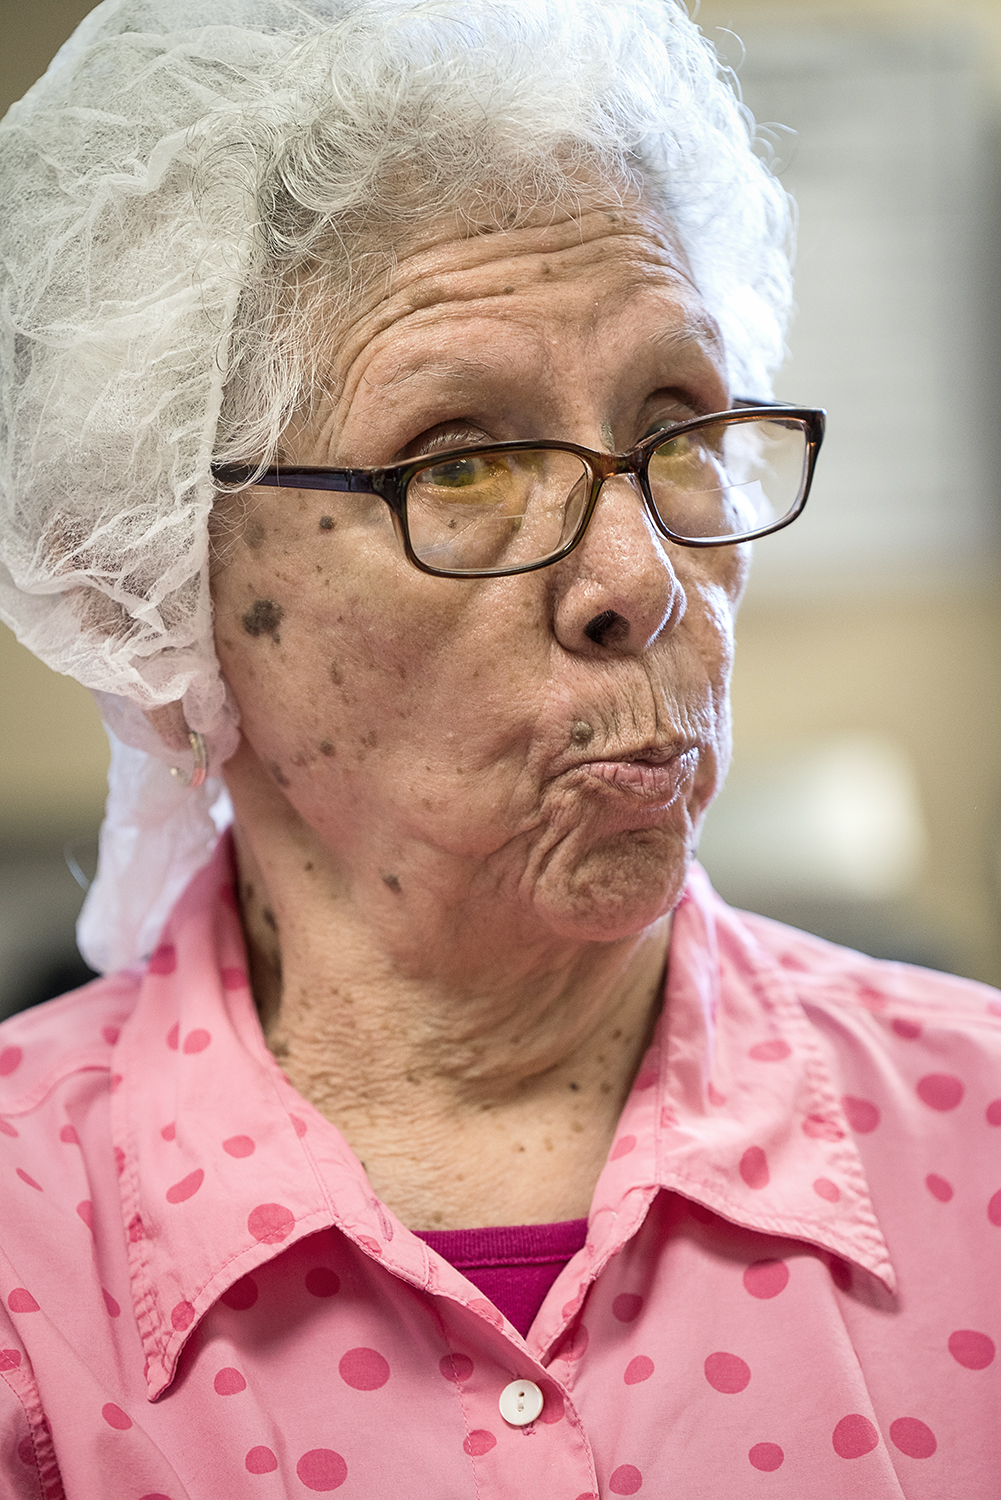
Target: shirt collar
223, 1165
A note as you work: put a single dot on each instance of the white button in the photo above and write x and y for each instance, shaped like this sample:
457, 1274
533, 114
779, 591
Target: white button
520, 1402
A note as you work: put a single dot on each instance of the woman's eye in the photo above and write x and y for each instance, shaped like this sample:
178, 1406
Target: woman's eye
458, 474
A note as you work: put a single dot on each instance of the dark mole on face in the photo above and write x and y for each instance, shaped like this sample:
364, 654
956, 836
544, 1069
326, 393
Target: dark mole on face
581, 733
278, 773
263, 618
327, 747
327, 523
253, 533
393, 881
336, 675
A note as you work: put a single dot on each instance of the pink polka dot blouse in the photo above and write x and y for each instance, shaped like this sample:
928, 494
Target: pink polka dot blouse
789, 1285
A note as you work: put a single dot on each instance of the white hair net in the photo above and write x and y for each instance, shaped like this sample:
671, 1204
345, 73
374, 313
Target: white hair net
186, 182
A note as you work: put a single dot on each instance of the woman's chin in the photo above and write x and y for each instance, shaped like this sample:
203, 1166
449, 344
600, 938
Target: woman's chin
615, 892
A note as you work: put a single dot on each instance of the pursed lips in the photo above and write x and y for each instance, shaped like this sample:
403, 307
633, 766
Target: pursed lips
651, 774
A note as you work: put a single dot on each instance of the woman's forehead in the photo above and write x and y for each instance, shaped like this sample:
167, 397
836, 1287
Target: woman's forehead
461, 308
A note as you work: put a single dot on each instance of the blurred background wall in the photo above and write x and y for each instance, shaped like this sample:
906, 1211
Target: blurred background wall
865, 797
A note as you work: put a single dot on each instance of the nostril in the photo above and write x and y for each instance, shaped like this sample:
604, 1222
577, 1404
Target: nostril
607, 629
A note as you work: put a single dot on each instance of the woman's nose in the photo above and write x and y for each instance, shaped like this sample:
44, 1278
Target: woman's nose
617, 591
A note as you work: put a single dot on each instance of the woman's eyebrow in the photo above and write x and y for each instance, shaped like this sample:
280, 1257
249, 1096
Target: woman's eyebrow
445, 372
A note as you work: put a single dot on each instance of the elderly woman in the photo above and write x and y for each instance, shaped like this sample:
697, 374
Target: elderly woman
385, 378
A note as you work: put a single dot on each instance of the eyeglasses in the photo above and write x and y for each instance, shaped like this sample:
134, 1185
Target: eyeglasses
512, 507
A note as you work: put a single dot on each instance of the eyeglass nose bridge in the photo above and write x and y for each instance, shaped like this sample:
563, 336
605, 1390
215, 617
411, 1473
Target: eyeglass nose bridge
605, 466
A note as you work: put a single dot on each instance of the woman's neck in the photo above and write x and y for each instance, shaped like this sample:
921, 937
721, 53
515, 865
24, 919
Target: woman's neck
478, 1077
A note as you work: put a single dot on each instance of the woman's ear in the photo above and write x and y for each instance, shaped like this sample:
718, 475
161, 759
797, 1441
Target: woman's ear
170, 724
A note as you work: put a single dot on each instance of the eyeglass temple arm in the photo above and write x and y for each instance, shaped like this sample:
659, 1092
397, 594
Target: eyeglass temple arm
350, 481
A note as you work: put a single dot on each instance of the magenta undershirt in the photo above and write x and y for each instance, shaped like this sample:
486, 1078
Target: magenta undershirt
513, 1264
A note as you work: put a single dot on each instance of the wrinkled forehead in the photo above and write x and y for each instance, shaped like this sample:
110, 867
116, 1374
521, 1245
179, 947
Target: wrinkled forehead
565, 267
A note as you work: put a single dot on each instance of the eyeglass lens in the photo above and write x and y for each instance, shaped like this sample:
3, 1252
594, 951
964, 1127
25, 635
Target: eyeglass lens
506, 510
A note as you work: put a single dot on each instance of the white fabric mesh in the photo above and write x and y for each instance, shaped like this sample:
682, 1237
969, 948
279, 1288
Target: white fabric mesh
136, 191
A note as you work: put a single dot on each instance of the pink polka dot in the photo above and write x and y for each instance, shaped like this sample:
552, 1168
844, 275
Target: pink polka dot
939, 1187
766, 1278
322, 1282
241, 1295
115, 1417
322, 1469
164, 960
622, 1147
820, 1128
640, 1368
487, 1310
909, 1030
187, 1187
862, 1114
110, 1034
169, 1132
10, 1058
972, 1350
260, 1461
234, 979
6, 1128
9, 1359
270, 1223
173, 1037
553, 1409
994, 1209
21, 1300
576, 1344
239, 1145
854, 1436
715, 1097
940, 1091
479, 1441
767, 1457
754, 1167
773, 1051
626, 1306
912, 1437
182, 1315
825, 1188
229, 1382
114, 1081
363, 1369
26, 1453
841, 1273
114, 1310
994, 1112
86, 1213
119, 1160
727, 1373
455, 1367
299, 1126
197, 1040
646, 1079
29, 1180
69, 1136
625, 1480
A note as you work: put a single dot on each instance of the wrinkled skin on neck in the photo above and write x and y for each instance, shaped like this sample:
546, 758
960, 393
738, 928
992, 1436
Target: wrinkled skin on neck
465, 808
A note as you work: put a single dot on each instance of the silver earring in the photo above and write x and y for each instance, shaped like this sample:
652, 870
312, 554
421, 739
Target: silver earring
200, 752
